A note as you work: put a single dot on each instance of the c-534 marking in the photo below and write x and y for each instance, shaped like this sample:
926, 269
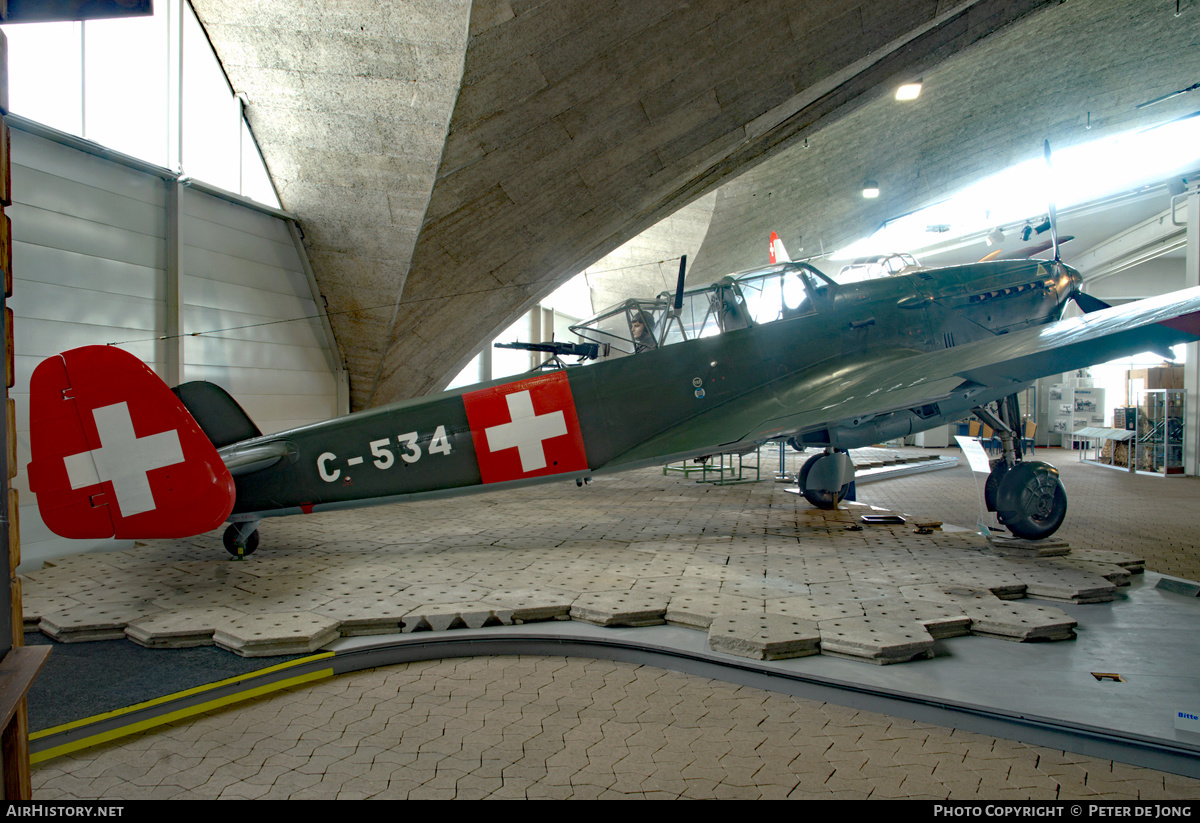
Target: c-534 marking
382, 455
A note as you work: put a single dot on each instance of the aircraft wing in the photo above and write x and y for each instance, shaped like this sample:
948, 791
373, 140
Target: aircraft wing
849, 393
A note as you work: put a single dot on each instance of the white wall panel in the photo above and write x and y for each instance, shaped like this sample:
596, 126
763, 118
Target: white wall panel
61, 231
265, 411
216, 265
1157, 276
268, 305
33, 152
88, 259
215, 210
53, 193
87, 306
241, 271
253, 328
90, 262
248, 240
215, 237
39, 339
213, 351
68, 268
247, 381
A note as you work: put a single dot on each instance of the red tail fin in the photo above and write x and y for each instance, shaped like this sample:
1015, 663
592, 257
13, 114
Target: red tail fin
115, 454
777, 253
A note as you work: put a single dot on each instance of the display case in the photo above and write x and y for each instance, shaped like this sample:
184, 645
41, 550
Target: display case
1159, 444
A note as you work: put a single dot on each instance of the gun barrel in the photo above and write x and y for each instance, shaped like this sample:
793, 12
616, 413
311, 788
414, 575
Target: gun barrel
585, 350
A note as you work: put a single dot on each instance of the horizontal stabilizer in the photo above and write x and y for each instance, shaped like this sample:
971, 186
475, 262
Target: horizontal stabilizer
217, 413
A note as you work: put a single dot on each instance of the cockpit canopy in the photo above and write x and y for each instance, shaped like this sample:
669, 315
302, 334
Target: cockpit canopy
876, 266
753, 297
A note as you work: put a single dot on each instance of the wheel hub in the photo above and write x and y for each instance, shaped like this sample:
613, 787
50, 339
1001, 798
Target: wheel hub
1037, 498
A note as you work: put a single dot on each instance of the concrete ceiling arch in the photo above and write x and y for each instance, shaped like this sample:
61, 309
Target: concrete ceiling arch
450, 163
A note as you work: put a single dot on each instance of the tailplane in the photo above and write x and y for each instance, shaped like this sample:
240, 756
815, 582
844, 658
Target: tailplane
216, 412
116, 454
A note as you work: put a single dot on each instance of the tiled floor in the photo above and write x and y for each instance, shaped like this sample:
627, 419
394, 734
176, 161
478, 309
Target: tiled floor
554, 727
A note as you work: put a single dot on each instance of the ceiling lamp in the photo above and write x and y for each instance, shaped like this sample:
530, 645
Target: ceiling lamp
909, 91
870, 189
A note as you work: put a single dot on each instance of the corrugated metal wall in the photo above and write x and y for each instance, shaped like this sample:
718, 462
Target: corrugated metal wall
90, 259
240, 270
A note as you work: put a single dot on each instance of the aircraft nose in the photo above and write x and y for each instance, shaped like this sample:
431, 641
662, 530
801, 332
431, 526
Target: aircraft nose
1070, 280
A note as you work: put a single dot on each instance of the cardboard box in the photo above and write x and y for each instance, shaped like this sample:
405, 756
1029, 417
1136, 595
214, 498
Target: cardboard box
1160, 377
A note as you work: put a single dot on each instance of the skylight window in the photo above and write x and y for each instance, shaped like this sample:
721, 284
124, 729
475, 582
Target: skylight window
1079, 174
116, 82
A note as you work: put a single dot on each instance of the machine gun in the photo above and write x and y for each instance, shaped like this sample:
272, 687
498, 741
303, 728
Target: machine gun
584, 351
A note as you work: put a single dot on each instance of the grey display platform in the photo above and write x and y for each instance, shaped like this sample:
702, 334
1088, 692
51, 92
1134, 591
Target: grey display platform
1142, 644
1047, 694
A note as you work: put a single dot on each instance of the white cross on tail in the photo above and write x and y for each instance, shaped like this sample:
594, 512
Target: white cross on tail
124, 459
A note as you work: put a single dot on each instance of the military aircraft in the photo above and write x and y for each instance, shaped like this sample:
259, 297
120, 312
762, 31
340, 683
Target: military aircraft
777, 352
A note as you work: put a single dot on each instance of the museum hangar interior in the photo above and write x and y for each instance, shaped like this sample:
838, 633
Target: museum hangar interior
346, 205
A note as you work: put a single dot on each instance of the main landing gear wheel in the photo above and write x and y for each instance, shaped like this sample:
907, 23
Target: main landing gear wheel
992, 487
1031, 501
238, 546
820, 498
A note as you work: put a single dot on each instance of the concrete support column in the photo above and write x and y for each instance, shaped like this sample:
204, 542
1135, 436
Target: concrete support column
535, 335
485, 363
1191, 370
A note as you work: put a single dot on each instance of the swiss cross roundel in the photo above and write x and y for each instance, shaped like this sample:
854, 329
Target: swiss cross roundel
526, 429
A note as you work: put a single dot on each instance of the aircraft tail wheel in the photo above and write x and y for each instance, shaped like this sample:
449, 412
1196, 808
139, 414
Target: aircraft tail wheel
820, 498
1031, 501
238, 546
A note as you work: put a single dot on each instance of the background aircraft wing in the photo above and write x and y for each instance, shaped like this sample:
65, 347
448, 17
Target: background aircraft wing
849, 393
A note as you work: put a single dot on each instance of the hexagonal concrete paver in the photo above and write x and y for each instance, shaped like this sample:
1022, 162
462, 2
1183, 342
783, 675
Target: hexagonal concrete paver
620, 609
264, 635
878, 640
764, 636
632, 560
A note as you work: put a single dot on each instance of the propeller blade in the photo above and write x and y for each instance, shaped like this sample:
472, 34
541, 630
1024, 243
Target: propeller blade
1089, 304
1053, 211
679, 289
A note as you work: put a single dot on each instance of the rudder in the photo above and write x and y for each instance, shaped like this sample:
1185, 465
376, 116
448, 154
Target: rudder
116, 454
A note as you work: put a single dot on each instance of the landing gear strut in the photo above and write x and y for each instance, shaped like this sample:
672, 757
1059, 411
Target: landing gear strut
825, 479
241, 539
1027, 496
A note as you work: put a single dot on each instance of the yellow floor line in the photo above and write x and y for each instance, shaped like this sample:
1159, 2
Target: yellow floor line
170, 717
